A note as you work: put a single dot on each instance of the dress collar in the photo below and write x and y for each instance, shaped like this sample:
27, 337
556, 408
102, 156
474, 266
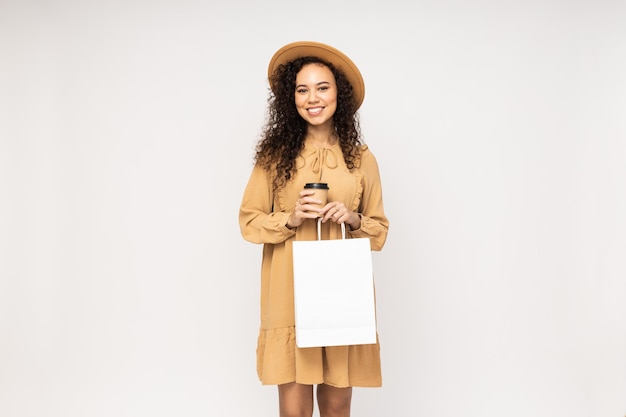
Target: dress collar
321, 157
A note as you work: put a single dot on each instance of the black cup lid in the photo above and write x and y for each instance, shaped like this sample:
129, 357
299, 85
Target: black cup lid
317, 185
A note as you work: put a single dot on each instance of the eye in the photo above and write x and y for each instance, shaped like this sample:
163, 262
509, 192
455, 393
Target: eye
301, 90
324, 88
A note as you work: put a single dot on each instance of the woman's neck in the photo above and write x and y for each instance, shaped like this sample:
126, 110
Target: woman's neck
321, 137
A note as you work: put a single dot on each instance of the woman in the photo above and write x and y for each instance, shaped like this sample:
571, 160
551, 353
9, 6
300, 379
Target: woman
312, 135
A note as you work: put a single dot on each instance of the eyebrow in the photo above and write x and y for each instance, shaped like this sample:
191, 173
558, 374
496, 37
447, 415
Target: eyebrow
318, 84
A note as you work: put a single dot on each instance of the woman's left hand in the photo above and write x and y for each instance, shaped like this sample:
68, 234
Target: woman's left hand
337, 212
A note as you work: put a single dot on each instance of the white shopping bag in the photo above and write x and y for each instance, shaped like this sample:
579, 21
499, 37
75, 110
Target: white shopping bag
334, 291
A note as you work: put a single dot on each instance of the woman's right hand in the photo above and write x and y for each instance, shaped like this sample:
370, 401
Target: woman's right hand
307, 207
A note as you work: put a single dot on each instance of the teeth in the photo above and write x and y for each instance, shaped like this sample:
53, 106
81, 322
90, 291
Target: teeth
315, 110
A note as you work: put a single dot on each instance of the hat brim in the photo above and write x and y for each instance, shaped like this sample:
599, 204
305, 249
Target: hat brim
339, 60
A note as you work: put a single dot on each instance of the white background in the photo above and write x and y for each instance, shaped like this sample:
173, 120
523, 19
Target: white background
127, 131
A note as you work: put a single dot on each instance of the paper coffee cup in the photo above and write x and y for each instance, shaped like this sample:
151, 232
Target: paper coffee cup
321, 191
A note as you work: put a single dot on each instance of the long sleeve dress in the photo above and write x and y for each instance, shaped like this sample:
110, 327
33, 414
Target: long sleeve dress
263, 217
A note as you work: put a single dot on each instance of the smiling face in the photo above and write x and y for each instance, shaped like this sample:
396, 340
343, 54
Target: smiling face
316, 94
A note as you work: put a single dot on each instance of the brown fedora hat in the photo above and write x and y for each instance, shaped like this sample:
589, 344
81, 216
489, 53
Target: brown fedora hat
301, 49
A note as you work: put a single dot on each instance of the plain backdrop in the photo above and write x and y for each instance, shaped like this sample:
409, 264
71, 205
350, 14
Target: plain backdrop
127, 130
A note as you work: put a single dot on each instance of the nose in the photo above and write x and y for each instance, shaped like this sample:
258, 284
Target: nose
312, 96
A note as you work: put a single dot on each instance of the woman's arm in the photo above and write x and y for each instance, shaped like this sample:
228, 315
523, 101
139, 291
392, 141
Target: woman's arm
257, 221
374, 223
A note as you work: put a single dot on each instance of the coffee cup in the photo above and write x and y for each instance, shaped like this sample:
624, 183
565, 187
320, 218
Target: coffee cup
321, 191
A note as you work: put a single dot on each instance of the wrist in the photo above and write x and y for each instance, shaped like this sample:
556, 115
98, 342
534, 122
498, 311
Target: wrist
356, 223
288, 225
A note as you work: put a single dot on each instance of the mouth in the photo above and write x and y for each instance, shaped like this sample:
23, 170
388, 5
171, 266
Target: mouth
314, 110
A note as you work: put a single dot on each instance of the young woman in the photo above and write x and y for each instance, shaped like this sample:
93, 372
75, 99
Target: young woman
312, 134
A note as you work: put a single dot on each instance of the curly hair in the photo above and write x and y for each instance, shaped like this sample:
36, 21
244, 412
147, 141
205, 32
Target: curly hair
284, 133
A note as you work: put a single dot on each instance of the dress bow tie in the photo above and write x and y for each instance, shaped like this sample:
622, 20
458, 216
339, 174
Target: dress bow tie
323, 157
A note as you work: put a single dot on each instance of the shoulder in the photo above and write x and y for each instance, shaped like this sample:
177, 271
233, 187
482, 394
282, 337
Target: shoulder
262, 173
366, 153
367, 160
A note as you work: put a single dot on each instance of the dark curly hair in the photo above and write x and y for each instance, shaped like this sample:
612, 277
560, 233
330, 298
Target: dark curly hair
285, 130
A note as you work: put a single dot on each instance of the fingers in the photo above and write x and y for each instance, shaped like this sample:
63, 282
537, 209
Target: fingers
306, 208
306, 192
336, 212
306, 197
305, 205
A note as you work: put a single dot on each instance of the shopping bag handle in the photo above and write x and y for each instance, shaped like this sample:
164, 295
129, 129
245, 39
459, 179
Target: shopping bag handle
319, 229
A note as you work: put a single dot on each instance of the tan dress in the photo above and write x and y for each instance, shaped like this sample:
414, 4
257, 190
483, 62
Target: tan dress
263, 218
